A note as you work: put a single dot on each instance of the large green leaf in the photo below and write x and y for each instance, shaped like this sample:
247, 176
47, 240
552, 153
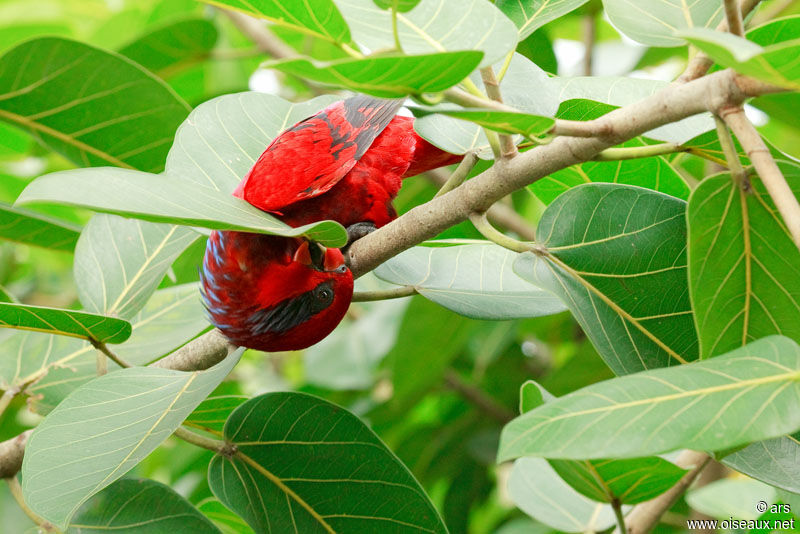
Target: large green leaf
775, 63
31, 228
731, 498
434, 26
386, 76
304, 465
64, 322
226, 521
628, 481
530, 15
746, 395
175, 200
653, 173
120, 262
660, 22
222, 138
473, 280
320, 18
92, 106
139, 506
103, 429
169, 319
539, 492
773, 461
744, 269
617, 258
173, 47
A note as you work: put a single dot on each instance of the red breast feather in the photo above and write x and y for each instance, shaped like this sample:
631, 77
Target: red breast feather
260, 298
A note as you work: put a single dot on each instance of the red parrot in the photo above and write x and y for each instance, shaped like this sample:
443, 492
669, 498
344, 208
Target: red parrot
346, 164
273, 293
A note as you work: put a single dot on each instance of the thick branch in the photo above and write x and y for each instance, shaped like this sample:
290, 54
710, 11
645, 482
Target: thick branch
11, 452
478, 194
646, 515
767, 169
201, 353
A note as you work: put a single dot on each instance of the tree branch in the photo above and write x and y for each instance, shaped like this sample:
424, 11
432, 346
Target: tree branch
201, 353
11, 452
507, 147
733, 16
646, 515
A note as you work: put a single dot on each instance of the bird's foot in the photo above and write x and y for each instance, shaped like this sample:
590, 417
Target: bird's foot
359, 230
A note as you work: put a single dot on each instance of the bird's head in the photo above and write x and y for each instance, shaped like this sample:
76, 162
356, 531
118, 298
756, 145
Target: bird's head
274, 293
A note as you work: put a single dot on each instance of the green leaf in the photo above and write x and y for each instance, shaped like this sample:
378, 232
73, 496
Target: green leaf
532, 395
773, 461
539, 492
402, 6
458, 136
530, 15
173, 47
653, 173
473, 280
621, 91
433, 26
222, 138
628, 481
661, 22
726, 498
617, 258
5, 296
211, 414
169, 319
103, 429
142, 506
746, 395
120, 262
92, 106
320, 18
153, 198
499, 121
386, 76
744, 268
226, 521
64, 322
341, 477
31, 228
775, 63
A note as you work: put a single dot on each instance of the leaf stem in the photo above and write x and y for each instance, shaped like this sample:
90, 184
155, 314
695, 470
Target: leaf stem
504, 68
617, 507
459, 175
738, 174
101, 363
395, 31
494, 235
384, 294
102, 347
215, 445
16, 492
633, 152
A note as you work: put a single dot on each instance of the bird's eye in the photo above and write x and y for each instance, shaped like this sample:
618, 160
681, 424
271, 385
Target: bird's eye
324, 294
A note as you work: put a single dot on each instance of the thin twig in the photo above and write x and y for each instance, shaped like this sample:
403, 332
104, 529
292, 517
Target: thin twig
646, 515
458, 176
765, 166
733, 16
494, 235
589, 38
468, 100
507, 147
215, 445
634, 152
384, 294
738, 172
616, 505
477, 397
700, 63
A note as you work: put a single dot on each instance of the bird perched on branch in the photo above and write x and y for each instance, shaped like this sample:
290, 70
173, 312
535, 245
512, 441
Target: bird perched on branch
346, 164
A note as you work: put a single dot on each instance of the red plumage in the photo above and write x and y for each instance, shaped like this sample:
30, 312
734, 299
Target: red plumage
346, 164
